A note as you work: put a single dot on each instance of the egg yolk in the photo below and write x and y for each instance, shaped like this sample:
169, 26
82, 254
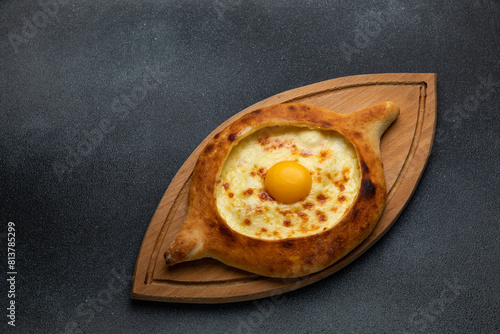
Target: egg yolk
288, 182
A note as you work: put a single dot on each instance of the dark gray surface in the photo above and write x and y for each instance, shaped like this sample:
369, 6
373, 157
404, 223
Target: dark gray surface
81, 206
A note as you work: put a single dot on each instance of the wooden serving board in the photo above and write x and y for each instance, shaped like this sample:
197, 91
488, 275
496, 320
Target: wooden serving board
405, 148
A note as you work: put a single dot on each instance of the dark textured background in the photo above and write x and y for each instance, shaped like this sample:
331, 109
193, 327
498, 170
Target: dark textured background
81, 206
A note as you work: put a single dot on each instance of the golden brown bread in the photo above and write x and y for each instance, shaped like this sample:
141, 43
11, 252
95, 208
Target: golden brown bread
204, 232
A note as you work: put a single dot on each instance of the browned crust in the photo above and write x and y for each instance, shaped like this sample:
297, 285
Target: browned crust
204, 233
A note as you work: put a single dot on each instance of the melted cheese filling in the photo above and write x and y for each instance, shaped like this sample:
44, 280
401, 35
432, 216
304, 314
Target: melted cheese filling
248, 209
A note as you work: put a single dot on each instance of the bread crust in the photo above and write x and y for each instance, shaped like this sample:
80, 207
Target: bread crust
204, 233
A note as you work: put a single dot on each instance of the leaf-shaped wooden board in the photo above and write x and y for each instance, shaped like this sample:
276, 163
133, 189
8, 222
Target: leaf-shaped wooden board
405, 148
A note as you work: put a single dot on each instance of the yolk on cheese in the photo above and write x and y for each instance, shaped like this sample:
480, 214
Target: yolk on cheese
288, 181
254, 200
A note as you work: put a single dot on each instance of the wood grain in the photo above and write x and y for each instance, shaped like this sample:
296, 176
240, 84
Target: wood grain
405, 148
